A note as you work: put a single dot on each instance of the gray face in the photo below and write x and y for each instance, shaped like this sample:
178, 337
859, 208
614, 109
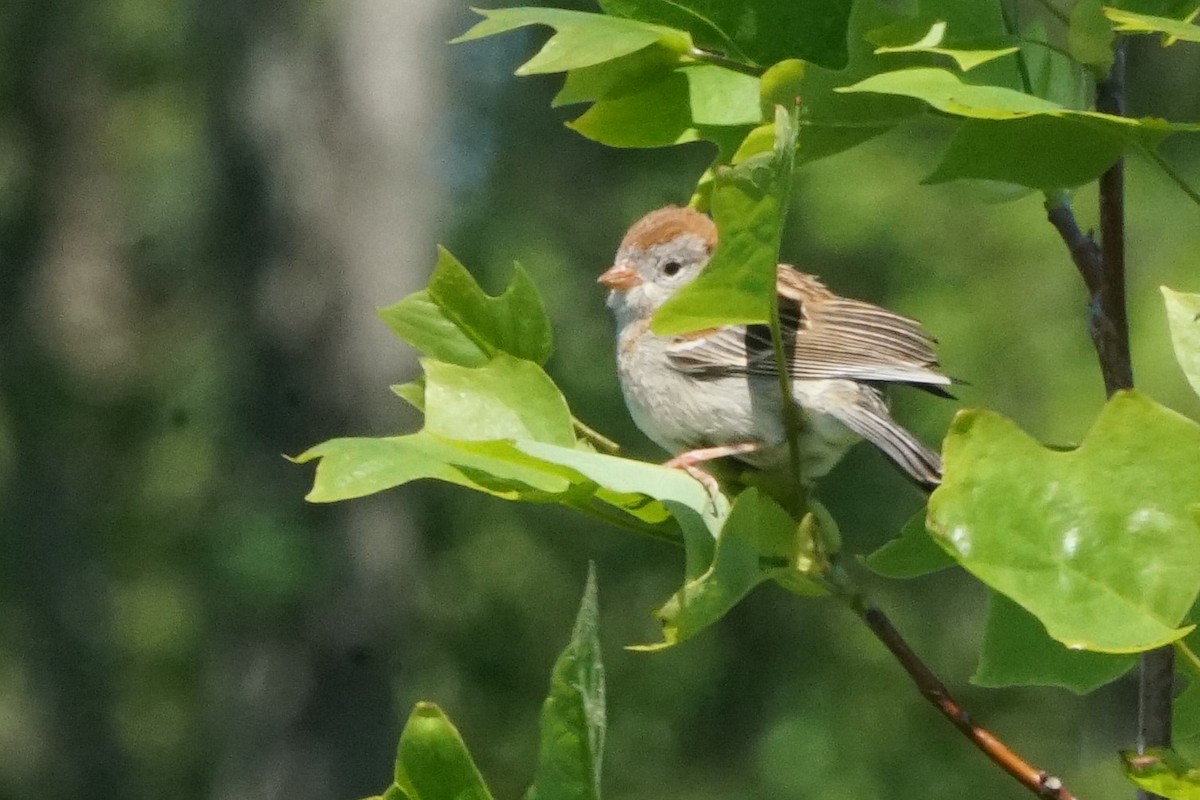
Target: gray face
663, 267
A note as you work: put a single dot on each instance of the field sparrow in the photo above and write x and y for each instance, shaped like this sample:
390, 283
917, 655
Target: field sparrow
715, 393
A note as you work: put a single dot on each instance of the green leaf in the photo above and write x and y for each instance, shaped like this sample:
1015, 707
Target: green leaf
617, 77
1103, 569
757, 31
674, 109
946, 92
1089, 36
1183, 315
507, 398
1185, 720
748, 204
580, 39
910, 555
1162, 772
758, 542
1173, 29
1017, 652
412, 393
453, 320
573, 717
934, 41
432, 762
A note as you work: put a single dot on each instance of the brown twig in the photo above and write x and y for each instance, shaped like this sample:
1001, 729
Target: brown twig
932, 689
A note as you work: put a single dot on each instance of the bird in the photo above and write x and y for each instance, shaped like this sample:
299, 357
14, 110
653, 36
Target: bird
716, 393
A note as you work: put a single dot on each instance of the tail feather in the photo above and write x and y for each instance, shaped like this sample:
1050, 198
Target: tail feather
871, 420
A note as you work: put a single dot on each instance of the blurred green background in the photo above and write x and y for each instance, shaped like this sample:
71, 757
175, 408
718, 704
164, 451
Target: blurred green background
202, 204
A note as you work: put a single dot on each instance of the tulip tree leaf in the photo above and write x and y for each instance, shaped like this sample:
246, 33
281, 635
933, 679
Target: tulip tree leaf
1017, 652
1111, 571
432, 762
572, 722
1185, 720
911, 554
1183, 315
1173, 29
580, 39
1058, 147
453, 320
749, 200
934, 41
1163, 773
759, 31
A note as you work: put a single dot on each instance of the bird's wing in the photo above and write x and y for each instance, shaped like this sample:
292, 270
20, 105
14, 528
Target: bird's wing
825, 336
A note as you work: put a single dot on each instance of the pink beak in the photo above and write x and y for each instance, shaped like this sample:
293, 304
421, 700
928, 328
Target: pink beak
620, 278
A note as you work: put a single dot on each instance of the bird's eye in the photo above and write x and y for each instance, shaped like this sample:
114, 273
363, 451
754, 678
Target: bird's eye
671, 268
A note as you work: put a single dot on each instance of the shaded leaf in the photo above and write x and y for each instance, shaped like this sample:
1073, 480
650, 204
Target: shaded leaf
1112, 571
1089, 36
1162, 772
748, 204
453, 320
758, 31
432, 762
1185, 719
1183, 315
911, 554
1173, 29
580, 39
507, 398
896, 39
617, 77
1018, 652
572, 722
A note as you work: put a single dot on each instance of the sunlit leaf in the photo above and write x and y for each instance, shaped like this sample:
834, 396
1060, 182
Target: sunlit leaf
1162, 772
572, 722
432, 762
896, 40
758, 31
911, 554
617, 77
1017, 652
1183, 314
453, 320
1103, 569
1173, 29
748, 204
580, 39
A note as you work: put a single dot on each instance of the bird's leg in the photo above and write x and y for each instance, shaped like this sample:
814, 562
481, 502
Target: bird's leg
688, 461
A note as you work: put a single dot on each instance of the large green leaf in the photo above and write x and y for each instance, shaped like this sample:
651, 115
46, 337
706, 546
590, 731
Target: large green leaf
432, 762
1017, 652
1016, 137
572, 722
748, 204
1101, 542
580, 39
1183, 315
1173, 29
1163, 773
758, 542
507, 398
757, 31
932, 39
453, 320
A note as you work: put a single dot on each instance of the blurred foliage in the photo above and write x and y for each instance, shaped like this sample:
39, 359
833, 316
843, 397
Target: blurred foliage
174, 622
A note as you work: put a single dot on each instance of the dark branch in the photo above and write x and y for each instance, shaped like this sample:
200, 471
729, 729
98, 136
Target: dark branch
932, 689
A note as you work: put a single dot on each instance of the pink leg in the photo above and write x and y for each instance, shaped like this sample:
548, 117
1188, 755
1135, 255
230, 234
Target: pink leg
688, 461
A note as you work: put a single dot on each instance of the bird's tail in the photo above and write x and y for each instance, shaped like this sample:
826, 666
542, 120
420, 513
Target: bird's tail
872, 421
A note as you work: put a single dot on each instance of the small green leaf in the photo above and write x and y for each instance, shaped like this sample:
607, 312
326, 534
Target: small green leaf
412, 393
618, 77
432, 762
1185, 720
572, 722
1162, 772
759, 541
1172, 29
453, 320
1089, 36
507, 398
934, 41
1105, 570
781, 85
1017, 652
1183, 315
756, 31
910, 555
580, 39
748, 204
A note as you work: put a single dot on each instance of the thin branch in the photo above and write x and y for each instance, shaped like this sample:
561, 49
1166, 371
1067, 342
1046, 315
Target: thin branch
598, 440
721, 60
932, 689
